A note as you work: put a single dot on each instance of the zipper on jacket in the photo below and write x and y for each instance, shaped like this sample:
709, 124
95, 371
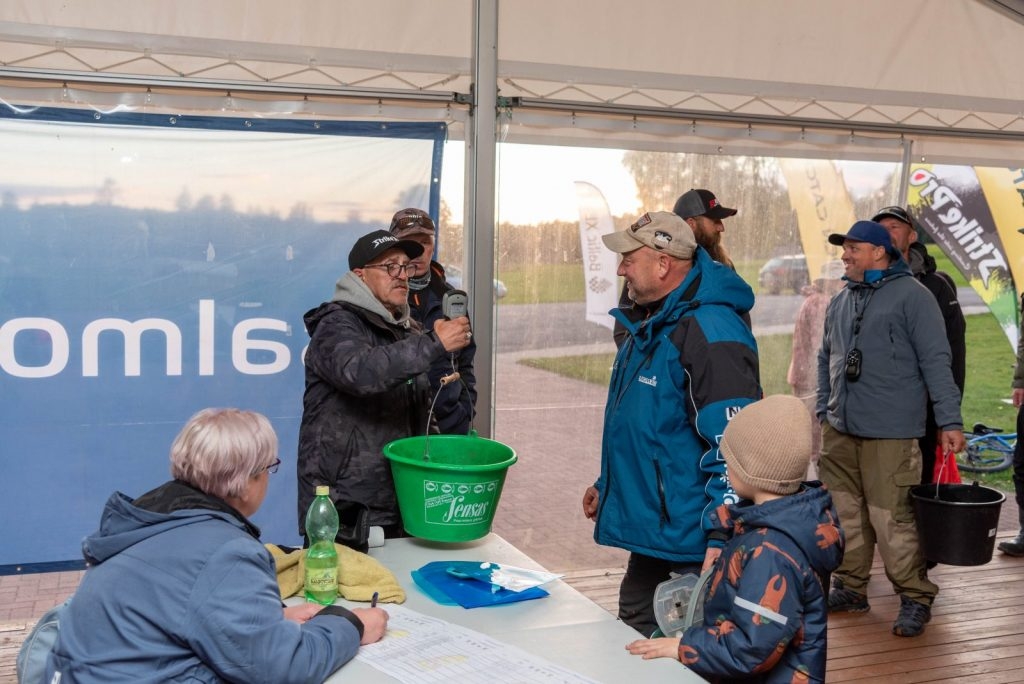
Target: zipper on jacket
665, 517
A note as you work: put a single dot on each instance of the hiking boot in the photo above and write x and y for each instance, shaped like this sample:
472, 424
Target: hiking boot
843, 600
1014, 547
912, 618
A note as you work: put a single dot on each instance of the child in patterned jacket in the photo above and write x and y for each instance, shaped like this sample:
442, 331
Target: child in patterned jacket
766, 609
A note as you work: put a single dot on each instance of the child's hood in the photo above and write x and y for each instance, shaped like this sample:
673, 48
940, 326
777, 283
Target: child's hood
808, 518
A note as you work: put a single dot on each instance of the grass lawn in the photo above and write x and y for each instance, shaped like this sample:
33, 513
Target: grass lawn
989, 372
543, 284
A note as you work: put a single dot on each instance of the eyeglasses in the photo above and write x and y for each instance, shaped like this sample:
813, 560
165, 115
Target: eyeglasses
394, 270
272, 468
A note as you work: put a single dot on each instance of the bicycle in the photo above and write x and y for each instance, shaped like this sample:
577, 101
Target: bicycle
988, 450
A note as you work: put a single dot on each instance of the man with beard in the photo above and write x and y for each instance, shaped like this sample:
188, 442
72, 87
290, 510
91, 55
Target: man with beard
366, 379
704, 213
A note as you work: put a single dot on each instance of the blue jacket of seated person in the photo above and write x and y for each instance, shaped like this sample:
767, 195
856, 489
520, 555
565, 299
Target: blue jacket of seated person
181, 589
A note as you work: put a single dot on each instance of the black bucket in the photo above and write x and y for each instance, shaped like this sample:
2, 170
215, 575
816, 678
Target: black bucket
957, 523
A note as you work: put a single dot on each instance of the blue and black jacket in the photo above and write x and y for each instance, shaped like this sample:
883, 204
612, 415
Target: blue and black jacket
678, 378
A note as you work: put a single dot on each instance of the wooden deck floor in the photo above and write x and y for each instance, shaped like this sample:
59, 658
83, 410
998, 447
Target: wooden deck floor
976, 633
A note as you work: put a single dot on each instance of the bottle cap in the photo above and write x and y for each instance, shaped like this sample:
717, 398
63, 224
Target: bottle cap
323, 490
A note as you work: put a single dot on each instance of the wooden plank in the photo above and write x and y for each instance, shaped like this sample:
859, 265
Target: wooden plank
976, 633
12, 634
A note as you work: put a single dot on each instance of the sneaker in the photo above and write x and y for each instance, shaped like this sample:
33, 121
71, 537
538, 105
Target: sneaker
912, 618
1014, 547
843, 600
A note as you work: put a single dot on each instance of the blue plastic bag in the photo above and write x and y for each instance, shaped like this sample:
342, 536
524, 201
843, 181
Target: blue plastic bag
465, 587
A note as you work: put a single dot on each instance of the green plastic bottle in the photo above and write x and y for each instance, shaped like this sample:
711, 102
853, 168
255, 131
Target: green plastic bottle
321, 580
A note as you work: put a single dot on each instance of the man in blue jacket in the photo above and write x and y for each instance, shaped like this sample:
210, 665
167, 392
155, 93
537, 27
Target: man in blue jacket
883, 356
688, 364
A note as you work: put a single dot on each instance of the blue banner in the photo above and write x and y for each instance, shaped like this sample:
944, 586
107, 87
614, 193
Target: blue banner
154, 265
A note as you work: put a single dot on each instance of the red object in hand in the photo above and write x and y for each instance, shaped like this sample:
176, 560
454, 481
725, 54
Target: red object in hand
945, 471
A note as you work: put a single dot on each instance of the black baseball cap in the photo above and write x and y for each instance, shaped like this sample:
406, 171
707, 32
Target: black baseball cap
371, 246
898, 213
701, 203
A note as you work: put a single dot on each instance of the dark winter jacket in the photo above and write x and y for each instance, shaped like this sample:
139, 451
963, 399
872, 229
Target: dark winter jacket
678, 378
905, 359
181, 590
942, 287
455, 402
366, 385
766, 612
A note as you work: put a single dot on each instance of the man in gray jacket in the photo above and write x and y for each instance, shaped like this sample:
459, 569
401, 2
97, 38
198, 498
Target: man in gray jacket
366, 379
883, 355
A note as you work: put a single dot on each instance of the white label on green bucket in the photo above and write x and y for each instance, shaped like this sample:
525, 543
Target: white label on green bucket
458, 503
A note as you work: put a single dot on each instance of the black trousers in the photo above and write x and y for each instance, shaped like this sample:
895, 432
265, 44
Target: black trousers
927, 445
636, 593
1018, 469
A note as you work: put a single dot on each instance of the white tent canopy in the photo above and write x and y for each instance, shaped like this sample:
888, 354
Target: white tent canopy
907, 81
922, 69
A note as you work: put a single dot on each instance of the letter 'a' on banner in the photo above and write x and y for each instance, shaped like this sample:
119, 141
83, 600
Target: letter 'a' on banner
823, 206
599, 263
969, 213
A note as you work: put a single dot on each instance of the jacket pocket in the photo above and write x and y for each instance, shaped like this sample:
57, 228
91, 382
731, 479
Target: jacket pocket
663, 514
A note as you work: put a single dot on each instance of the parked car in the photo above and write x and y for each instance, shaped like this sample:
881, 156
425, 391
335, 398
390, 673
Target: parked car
788, 272
453, 274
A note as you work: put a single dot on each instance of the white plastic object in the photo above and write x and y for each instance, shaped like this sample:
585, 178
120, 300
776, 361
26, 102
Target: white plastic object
679, 603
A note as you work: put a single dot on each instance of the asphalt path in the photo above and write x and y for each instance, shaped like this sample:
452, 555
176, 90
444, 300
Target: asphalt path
523, 327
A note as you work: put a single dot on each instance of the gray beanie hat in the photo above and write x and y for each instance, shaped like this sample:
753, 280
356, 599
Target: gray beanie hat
768, 444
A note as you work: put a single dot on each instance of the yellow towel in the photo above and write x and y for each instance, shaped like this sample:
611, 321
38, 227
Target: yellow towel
359, 575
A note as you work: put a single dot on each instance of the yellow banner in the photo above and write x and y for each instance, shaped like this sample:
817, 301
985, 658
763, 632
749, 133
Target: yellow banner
823, 206
1004, 190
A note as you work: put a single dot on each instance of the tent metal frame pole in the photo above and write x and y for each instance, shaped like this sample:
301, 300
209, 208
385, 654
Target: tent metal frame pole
908, 150
686, 115
236, 87
480, 210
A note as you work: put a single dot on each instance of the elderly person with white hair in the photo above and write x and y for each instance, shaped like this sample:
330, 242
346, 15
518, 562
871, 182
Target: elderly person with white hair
180, 587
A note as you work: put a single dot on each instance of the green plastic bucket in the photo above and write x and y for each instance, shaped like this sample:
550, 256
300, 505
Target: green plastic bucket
452, 495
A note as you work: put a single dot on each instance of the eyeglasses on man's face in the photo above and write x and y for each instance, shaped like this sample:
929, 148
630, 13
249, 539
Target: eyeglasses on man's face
272, 468
394, 269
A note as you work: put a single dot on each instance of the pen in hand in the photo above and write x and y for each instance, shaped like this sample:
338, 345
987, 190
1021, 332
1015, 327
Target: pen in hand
373, 601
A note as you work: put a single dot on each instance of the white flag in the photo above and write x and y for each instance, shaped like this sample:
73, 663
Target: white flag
599, 262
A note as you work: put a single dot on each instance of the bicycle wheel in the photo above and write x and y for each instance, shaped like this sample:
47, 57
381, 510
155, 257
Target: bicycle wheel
985, 454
